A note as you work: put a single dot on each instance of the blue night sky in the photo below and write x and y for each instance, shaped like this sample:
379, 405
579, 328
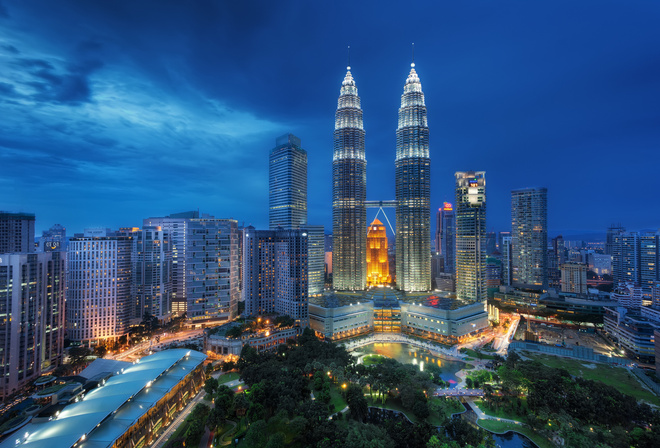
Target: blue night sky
112, 111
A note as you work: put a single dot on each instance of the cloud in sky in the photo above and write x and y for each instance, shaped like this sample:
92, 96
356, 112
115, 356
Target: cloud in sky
114, 111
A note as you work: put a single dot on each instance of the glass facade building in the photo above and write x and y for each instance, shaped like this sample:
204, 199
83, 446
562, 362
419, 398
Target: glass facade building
349, 192
529, 232
212, 287
413, 194
287, 175
471, 236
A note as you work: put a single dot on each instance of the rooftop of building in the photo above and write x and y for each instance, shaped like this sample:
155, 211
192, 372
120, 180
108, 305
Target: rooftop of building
386, 296
107, 412
17, 215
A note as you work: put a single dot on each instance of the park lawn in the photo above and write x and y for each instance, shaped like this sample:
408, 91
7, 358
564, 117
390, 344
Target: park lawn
502, 427
617, 377
226, 431
502, 413
371, 360
337, 399
476, 354
227, 377
393, 404
449, 407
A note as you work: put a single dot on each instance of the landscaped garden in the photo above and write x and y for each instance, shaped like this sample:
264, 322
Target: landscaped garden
501, 427
618, 377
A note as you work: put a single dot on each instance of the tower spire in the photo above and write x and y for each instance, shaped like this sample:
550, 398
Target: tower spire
413, 55
348, 67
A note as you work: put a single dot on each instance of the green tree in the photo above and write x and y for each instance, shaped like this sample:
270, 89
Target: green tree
277, 440
210, 386
256, 435
357, 403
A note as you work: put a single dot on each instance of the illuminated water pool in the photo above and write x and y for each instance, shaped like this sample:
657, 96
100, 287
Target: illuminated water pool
409, 354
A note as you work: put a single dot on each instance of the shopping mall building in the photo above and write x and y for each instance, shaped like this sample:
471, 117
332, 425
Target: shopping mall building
432, 316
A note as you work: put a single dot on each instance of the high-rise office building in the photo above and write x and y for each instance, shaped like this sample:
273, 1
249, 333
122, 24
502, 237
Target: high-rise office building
287, 184
446, 236
98, 286
176, 227
288, 203
349, 192
491, 242
275, 272
378, 267
53, 239
626, 258
635, 258
151, 270
507, 260
471, 236
413, 192
32, 297
612, 231
574, 277
648, 261
500, 237
212, 288
16, 232
529, 231
315, 259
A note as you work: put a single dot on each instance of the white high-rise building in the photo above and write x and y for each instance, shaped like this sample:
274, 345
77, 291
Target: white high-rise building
99, 286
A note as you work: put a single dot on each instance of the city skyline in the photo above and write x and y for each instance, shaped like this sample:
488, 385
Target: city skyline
90, 115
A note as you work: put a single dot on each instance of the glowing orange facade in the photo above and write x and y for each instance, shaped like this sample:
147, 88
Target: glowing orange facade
378, 267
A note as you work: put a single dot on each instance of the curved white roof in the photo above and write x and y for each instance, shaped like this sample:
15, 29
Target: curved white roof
108, 411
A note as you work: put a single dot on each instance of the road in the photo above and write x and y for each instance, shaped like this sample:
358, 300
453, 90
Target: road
134, 352
501, 344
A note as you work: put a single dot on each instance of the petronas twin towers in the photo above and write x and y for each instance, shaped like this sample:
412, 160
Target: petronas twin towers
349, 191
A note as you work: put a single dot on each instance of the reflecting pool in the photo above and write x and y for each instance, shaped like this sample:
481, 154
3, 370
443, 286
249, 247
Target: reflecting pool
409, 354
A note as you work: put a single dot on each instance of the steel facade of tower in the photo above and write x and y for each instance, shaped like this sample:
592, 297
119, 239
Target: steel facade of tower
529, 232
413, 209
349, 192
288, 184
471, 236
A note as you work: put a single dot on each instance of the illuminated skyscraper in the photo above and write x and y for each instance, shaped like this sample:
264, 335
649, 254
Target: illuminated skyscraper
212, 288
288, 184
446, 236
413, 170
471, 236
378, 266
275, 272
98, 306
176, 226
32, 296
529, 232
349, 192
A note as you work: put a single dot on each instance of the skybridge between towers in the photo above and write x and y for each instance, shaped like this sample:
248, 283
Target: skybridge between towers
380, 205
